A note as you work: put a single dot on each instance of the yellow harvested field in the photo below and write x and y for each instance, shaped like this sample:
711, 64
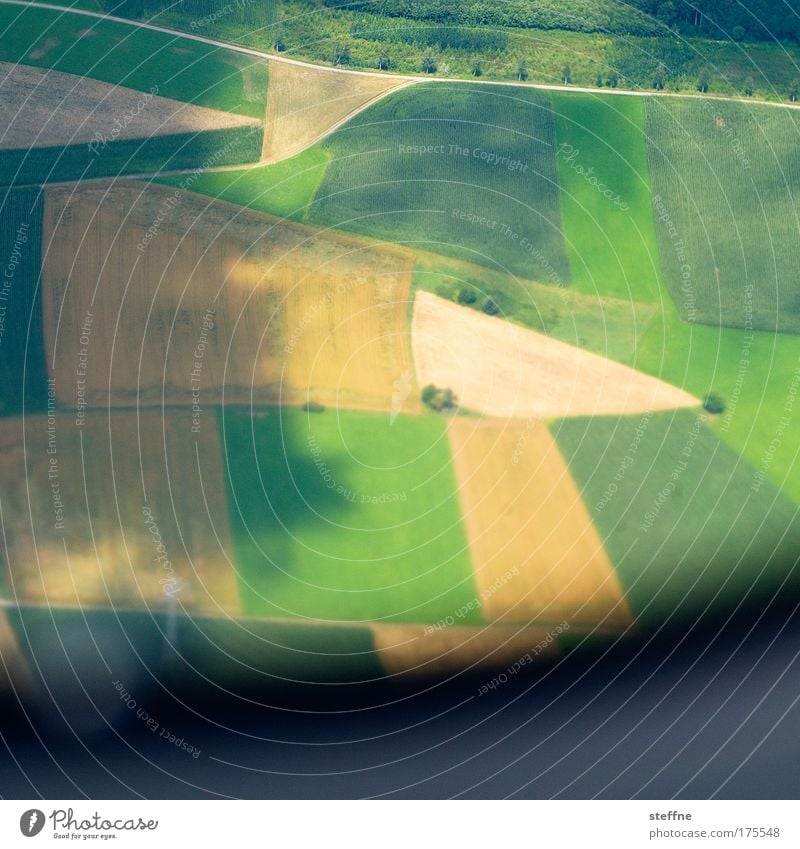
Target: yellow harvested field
47, 108
500, 369
537, 556
159, 295
420, 651
305, 104
119, 511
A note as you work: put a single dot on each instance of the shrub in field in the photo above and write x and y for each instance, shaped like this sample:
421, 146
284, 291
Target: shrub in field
714, 404
313, 407
439, 400
465, 296
490, 307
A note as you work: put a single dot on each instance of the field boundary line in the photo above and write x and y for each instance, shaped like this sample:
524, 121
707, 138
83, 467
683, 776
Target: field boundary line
274, 160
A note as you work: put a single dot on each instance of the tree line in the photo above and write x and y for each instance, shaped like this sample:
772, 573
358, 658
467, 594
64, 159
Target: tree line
443, 37
763, 20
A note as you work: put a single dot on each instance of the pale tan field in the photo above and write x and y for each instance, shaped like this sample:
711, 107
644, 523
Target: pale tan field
411, 649
75, 521
523, 511
500, 369
305, 104
43, 108
217, 304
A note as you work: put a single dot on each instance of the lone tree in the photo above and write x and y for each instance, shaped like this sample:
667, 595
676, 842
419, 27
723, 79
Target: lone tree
522, 70
341, 54
660, 77
477, 68
429, 63
703, 80
279, 45
613, 80
598, 81
794, 90
490, 307
465, 296
749, 85
384, 62
439, 400
714, 404
566, 74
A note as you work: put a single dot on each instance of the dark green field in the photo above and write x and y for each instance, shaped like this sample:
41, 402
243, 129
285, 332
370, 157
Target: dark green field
23, 372
416, 168
277, 653
689, 525
153, 154
726, 183
346, 516
139, 59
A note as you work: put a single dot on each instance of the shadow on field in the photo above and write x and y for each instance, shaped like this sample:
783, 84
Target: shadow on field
285, 494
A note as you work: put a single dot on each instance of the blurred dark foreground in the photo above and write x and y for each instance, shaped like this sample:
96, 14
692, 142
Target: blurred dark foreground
709, 713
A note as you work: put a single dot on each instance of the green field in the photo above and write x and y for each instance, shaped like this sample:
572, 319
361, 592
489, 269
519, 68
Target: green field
756, 373
605, 195
417, 168
726, 179
139, 59
686, 522
346, 516
285, 189
23, 372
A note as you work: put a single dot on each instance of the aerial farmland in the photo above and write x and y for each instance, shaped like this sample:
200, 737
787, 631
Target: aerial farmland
398, 371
